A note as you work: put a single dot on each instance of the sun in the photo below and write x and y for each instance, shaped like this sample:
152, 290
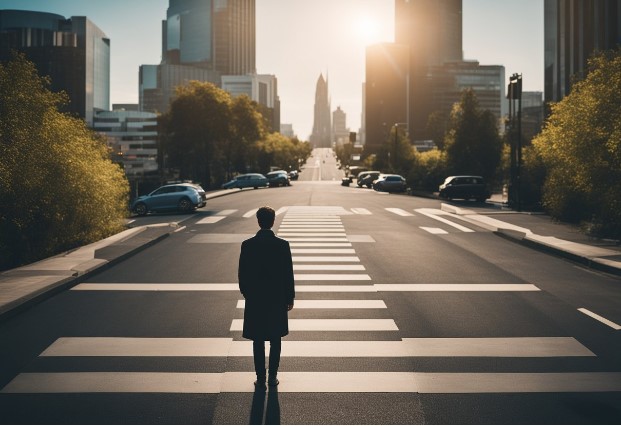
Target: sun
366, 29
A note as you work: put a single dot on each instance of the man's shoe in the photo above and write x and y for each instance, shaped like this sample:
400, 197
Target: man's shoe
260, 382
273, 381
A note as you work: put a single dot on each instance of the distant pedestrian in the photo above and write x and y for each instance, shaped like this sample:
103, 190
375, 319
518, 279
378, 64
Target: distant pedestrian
266, 281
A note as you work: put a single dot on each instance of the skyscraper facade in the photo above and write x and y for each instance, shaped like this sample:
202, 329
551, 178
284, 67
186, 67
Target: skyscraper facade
574, 30
73, 52
201, 40
340, 132
322, 127
386, 92
433, 31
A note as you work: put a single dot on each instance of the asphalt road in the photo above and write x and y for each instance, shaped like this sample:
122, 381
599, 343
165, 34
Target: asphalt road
421, 319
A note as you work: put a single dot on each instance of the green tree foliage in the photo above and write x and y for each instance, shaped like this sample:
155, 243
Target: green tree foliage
472, 143
428, 171
396, 153
209, 137
580, 147
58, 188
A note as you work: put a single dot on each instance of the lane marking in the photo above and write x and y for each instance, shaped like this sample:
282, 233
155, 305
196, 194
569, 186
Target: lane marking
601, 319
210, 219
320, 244
360, 210
435, 231
311, 226
456, 287
331, 304
332, 325
308, 288
503, 347
311, 234
312, 230
399, 212
325, 259
281, 210
328, 267
435, 214
250, 213
316, 381
325, 239
332, 277
322, 251
219, 238
226, 212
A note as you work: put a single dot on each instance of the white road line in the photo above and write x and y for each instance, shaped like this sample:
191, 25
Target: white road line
281, 210
322, 251
344, 259
358, 324
226, 212
210, 219
320, 244
332, 277
399, 212
316, 381
324, 239
306, 228
250, 213
435, 231
287, 229
503, 347
456, 287
601, 319
360, 210
305, 288
156, 287
428, 213
297, 267
331, 304
311, 234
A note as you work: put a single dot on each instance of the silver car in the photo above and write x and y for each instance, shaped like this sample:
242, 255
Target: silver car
249, 180
390, 183
184, 197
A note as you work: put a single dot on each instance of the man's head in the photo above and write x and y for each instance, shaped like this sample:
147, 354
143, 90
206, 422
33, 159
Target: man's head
266, 216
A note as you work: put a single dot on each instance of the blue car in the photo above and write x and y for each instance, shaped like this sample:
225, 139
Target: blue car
250, 180
183, 197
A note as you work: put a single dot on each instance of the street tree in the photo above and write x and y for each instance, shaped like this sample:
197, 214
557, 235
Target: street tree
472, 143
195, 131
247, 129
58, 187
580, 147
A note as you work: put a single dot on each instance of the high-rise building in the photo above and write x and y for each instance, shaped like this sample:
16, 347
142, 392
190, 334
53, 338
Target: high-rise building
574, 30
201, 40
73, 52
261, 88
340, 132
386, 92
433, 31
322, 127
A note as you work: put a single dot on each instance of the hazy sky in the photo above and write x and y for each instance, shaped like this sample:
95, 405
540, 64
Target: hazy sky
299, 39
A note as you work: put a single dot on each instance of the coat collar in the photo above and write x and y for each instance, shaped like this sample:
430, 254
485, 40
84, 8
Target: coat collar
265, 233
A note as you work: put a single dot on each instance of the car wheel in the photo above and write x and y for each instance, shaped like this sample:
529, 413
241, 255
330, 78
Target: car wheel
141, 209
185, 205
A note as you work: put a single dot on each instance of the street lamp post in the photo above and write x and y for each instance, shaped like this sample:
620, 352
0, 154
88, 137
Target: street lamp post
515, 93
396, 126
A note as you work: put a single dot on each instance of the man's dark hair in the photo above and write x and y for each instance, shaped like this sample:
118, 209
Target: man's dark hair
266, 216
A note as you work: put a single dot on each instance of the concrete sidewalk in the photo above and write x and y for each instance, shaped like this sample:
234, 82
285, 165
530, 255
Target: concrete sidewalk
28, 285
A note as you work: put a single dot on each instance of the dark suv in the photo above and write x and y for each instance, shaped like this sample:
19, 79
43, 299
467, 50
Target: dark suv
465, 187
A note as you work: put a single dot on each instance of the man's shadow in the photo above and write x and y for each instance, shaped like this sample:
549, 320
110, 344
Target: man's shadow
261, 411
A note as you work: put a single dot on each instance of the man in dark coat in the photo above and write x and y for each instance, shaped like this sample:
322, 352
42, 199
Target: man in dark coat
266, 281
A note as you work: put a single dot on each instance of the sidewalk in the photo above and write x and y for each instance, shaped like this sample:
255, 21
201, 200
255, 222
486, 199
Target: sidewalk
22, 287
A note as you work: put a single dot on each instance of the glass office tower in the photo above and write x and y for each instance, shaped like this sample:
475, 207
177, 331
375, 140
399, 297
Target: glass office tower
73, 52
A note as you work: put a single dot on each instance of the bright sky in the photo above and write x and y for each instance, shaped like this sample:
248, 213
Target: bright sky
299, 39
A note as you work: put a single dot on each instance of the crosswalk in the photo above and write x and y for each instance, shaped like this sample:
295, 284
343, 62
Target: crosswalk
325, 220
330, 280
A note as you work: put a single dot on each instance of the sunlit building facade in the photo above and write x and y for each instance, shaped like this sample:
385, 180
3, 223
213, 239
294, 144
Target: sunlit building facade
261, 88
322, 123
73, 52
574, 30
340, 132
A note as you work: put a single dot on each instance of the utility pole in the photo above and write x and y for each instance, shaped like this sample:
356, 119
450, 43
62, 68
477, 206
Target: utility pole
515, 137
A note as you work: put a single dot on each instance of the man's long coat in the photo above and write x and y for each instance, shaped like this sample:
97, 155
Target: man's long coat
266, 281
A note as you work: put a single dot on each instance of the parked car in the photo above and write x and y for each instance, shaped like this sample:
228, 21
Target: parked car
465, 187
184, 197
367, 178
390, 183
294, 175
278, 178
249, 180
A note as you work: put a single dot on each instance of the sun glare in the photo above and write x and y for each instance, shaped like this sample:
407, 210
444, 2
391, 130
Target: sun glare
367, 29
